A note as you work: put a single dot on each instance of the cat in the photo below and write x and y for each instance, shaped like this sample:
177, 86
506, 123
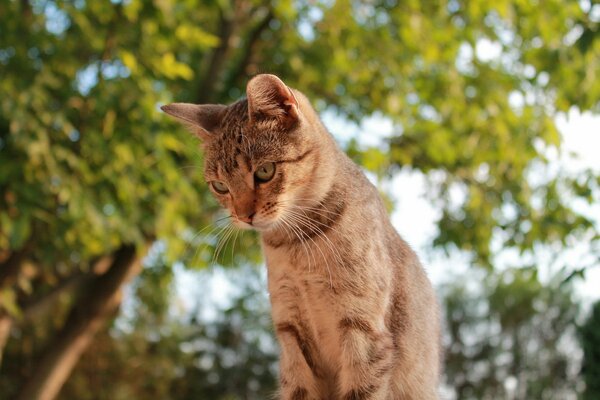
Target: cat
354, 312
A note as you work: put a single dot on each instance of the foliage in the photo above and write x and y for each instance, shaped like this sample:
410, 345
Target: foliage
87, 161
89, 165
511, 337
478, 124
179, 355
589, 335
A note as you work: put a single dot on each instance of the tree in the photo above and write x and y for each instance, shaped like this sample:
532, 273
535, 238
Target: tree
512, 337
92, 174
156, 352
589, 336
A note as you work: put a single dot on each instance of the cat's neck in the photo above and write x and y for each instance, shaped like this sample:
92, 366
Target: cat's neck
311, 218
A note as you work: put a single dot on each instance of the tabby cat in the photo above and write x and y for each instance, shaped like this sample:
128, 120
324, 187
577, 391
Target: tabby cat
354, 312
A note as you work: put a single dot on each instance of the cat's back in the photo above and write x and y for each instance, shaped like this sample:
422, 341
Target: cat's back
412, 315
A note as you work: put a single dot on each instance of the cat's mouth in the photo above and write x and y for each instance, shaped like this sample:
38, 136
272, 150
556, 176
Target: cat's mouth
268, 217
246, 225
258, 224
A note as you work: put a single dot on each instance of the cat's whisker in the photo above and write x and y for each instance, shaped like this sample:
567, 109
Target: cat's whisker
200, 249
237, 232
213, 226
226, 239
312, 208
206, 242
298, 233
304, 213
301, 238
222, 218
285, 230
219, 237
334, 252
319, 213
233, 229
321, 203
191, 241
222, 242
317, 222
321, 231
289, 227
313, 225
316, 209
303, 219
298, 218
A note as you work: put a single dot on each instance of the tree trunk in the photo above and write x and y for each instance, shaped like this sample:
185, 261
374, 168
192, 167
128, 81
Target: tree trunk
88, 315
211, 80
6, 322
238, 71
10, 268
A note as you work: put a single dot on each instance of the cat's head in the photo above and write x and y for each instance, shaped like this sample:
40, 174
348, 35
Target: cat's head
264, 155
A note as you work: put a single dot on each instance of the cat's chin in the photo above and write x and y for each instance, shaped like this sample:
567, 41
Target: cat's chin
260, 226
243, 225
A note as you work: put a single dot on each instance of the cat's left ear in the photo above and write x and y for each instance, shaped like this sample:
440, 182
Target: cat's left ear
268, 97
202, 119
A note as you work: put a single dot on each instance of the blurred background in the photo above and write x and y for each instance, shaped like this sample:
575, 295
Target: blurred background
479, 121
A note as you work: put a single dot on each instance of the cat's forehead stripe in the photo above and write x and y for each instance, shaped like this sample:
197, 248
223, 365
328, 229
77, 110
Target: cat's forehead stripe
240, 145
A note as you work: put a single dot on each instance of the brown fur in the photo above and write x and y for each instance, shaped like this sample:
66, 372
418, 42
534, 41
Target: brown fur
354, 312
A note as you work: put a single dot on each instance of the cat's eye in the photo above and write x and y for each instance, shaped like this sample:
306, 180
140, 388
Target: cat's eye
220, 187
265, 172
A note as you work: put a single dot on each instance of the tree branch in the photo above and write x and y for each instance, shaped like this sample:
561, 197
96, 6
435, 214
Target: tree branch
217, 59
33, 308
26, 8
6, 323
85, 319
238, 71
11, 267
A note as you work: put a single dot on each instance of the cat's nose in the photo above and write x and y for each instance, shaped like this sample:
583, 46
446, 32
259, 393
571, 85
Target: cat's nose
247, 219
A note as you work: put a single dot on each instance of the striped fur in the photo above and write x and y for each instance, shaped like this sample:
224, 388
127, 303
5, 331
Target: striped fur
353, 310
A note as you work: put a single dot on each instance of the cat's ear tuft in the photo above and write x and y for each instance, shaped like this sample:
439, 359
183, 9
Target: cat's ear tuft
268, 97
202, 119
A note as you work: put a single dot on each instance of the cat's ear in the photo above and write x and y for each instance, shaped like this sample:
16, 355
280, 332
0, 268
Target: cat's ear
268, 97
201, 119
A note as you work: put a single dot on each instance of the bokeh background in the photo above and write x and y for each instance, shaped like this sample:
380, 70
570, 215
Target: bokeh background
478, 120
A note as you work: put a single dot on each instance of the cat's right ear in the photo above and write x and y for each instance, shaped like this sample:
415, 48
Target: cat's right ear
268, 97
202, 119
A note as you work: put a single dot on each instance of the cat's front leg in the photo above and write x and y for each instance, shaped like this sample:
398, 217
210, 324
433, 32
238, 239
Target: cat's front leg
299, 373
366, 360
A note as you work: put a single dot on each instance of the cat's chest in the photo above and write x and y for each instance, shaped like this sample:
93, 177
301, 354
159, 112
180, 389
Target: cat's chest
308, 282
302, 292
